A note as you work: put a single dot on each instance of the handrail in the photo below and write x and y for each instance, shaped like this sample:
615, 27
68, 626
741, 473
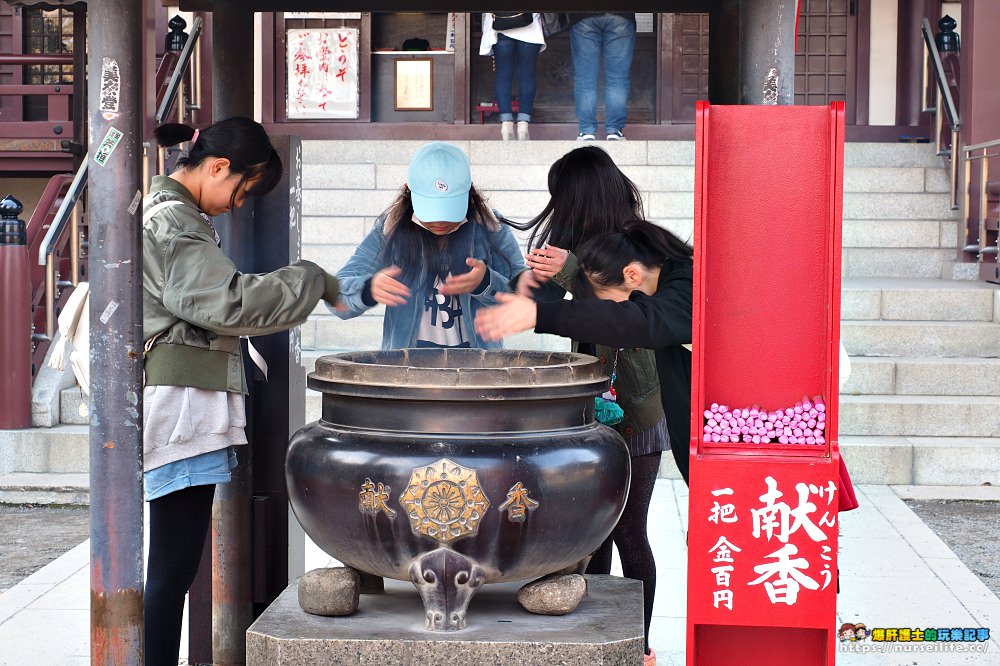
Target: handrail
981, 246
179, 69
46, 251
953, 120
48, 246
982, 146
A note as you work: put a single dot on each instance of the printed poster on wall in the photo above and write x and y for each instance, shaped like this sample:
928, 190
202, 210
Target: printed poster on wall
323, 73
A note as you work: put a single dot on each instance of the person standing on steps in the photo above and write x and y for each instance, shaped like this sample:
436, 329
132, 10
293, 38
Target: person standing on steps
591, 37
510, 37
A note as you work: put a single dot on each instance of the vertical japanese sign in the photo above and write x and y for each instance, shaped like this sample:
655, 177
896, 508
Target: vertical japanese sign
767, 542
449, 37
322, 73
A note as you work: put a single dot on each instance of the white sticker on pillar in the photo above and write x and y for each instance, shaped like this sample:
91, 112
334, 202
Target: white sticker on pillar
107, 146
111, 86
108, 311
134, 206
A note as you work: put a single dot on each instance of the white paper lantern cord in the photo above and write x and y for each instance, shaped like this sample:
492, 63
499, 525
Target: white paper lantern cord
805, 423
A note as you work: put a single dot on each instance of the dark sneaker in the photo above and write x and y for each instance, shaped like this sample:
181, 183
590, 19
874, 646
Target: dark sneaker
616, 136
585, 137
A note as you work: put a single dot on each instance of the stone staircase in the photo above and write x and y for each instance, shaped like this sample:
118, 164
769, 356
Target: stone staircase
922, 405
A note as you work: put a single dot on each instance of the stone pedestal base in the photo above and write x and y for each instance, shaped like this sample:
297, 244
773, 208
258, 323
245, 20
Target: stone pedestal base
388, 630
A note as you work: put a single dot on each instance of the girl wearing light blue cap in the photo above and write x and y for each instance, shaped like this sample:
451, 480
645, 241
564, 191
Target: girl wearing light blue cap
433, 258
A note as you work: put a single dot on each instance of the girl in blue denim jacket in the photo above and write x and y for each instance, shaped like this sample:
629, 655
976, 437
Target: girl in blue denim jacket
433, 258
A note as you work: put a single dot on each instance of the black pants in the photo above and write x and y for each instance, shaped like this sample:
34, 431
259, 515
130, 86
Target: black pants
630, 536
178, 525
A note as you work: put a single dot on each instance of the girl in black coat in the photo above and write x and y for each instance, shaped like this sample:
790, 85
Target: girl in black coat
642, 276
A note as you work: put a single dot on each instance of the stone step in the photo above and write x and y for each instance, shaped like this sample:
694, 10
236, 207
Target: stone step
921, 252
941, 339
865, 257
45, 488
74, 406
900, 234
916, 299
680, 153
63, 449
924, 376
947, 461
871, 262
314, 405
920, 415
897, 206
923, 461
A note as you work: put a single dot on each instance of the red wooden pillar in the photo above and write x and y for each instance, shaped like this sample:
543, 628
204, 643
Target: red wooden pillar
762, 535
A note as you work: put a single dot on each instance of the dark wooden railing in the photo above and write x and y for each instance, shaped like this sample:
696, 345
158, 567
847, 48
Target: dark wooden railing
58, 124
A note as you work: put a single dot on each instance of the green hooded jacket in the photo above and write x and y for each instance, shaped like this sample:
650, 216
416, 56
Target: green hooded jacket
196, 304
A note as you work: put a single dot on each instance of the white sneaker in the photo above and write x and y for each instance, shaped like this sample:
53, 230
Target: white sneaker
522, 130
507, 130
585, 137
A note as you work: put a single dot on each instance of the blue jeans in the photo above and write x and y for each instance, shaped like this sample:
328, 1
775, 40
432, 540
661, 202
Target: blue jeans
504, 52
614, 37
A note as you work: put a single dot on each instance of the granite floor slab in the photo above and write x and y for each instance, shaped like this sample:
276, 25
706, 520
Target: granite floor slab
895, 573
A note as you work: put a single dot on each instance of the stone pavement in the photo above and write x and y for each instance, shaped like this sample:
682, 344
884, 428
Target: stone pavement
895, 572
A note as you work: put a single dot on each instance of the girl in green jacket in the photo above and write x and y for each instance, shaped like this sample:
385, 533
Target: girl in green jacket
196, 305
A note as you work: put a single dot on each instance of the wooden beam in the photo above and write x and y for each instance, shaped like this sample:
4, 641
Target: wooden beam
440, 5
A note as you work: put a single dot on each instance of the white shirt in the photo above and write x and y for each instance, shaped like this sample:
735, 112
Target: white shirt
441, 321
531, 33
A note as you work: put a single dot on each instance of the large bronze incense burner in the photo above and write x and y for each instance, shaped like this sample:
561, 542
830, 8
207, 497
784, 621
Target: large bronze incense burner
452, 468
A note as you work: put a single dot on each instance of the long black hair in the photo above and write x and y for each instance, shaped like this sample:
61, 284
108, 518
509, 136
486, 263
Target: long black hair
589, 195
418, 251
603, 258
240, 140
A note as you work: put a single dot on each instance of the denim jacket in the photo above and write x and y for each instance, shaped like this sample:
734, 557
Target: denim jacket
499, 249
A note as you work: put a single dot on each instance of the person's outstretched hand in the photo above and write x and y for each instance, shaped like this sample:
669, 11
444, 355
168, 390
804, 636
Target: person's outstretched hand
546, 261
515, 313
386, 289
527, 282
466, 282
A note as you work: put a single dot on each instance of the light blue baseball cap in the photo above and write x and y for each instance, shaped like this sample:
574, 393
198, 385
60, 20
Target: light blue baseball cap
439, 180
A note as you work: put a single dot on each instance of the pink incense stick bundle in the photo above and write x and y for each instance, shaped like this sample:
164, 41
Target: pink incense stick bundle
802, 423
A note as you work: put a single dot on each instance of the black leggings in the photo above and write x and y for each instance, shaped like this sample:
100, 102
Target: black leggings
178, 525
630, 536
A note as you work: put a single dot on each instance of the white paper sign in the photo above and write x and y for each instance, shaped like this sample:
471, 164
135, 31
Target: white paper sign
323, 73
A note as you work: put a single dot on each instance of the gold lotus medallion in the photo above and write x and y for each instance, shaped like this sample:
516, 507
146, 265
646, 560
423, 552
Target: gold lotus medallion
444, 501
